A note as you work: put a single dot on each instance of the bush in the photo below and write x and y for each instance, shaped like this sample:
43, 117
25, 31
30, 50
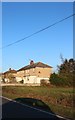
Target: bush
55, 79
44, 83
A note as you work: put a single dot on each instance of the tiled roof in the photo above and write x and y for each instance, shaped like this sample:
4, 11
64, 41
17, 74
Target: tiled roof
10, 71
38, 64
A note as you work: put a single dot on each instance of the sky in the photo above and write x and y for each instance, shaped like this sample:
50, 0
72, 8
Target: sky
20, 19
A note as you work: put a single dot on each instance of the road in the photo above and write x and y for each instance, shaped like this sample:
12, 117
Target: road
12, 109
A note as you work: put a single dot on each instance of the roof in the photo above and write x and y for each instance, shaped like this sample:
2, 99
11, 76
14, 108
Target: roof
38, 64
10, 71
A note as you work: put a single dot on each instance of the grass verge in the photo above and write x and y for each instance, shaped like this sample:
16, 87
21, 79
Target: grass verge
60, 100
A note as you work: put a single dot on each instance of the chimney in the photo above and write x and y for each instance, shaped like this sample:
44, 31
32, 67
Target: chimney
9, 69
31, 62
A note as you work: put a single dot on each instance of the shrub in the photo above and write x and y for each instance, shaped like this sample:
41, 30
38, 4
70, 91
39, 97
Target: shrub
55, 79
44, 83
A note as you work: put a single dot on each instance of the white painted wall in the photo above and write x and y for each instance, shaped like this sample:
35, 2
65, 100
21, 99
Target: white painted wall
30, 79
18, 79
6, 80
34, 79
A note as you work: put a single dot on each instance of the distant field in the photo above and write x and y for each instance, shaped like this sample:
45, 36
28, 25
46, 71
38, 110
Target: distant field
60, 100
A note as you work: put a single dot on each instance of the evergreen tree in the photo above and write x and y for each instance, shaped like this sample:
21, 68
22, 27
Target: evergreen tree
66, 73
67, 70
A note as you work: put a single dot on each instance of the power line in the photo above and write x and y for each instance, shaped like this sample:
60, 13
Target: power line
38, 31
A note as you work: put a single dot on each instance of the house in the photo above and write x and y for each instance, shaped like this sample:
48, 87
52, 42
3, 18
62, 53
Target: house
0, 77
34, 73
10, 75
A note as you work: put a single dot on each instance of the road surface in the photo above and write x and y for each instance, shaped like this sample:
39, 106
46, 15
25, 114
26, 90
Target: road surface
12, 109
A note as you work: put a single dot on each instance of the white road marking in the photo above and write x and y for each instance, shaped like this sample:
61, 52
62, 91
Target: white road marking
34, 108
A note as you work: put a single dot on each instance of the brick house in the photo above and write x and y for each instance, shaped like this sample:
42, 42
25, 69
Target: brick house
10, 74
33, 73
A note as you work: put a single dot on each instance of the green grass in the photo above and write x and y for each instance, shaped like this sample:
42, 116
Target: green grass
60, 100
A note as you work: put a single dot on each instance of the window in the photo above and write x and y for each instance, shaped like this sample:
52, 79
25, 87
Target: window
27, 71
28, 79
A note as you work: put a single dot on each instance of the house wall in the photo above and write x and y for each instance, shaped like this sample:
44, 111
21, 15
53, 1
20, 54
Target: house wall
43, 72
18, 79
31, 81
30, 72
39, 72
20, 74
7, 75
0, 78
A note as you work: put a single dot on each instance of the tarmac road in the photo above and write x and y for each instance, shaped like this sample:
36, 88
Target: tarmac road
12, 109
